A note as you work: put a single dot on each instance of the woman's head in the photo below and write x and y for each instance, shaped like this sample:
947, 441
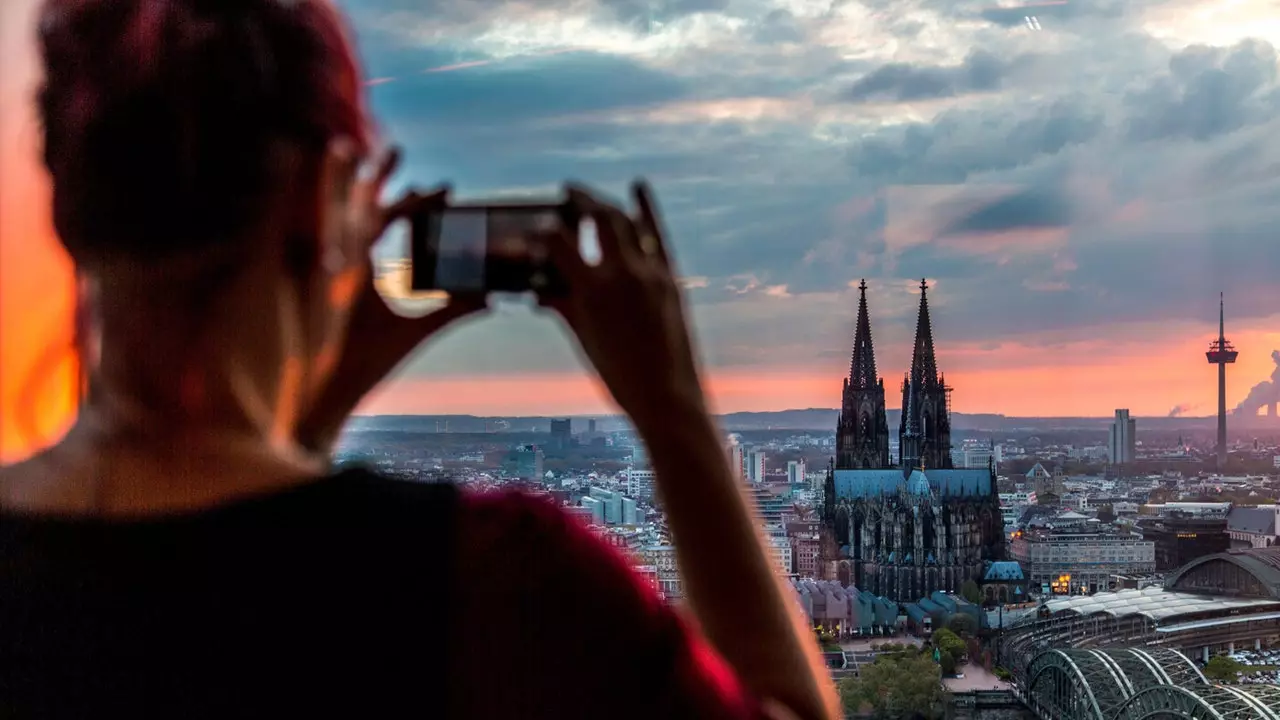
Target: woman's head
161, 116
194, 133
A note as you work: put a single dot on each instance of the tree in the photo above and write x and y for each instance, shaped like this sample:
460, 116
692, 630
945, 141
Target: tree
1106, 514
896, 687
947, 663
962, 624
970, 591
948, 642
1222, 668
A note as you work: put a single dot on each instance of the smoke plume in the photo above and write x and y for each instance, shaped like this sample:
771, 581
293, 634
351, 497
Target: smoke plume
1264, 393
1180, 410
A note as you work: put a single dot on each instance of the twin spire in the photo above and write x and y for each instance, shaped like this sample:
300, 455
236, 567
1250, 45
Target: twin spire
924, 362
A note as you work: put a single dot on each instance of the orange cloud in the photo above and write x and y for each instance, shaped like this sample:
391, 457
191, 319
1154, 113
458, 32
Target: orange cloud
37, 368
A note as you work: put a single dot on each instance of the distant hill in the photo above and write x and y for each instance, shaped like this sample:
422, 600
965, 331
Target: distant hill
808, 419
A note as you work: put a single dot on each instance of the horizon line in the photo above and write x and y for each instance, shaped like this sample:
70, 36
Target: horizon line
789, 410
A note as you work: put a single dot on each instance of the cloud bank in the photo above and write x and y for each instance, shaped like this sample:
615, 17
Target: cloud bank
1096, 180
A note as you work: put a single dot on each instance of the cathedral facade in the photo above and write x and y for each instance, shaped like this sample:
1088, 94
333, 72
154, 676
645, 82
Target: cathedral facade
908, 526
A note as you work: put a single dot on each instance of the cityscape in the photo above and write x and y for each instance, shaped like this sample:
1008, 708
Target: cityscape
1058, 568
1041, 483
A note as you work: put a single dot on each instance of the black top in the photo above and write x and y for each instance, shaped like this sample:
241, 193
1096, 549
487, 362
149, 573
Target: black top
325, 600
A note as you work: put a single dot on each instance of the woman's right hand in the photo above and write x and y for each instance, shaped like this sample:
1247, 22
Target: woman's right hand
627, 311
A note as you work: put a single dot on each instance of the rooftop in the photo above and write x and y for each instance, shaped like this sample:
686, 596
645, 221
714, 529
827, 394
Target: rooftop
1154, 603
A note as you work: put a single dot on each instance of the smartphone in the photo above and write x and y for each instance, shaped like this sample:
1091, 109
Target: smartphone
479, 248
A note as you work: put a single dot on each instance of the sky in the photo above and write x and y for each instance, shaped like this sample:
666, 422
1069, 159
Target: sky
1077, 188
1077, 195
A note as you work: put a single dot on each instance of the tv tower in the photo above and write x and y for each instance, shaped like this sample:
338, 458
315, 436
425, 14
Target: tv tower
1222, 354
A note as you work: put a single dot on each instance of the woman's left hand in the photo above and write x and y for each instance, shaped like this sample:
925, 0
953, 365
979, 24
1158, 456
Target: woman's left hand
377, 338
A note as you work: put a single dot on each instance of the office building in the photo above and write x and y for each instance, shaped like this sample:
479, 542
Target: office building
1122, 444
1179, 540
640, 484
737, 460
1078, 561
524, 463
561, 434
755, 466
795, 472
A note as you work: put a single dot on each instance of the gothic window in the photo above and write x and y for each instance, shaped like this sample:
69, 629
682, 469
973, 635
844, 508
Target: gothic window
842, 526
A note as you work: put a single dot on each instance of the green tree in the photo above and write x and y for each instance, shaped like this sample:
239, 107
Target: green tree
948, 642
896, 687
1222, 668
947, 663
962, 624
970, 591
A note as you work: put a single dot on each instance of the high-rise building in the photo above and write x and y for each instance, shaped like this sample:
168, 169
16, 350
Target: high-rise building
640, 484
612, 502
906, 530
737, 459
755, 466
1122, 445
561, 433
524, 463
795, 472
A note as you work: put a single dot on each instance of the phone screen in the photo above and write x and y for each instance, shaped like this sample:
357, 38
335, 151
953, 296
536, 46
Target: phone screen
480, 249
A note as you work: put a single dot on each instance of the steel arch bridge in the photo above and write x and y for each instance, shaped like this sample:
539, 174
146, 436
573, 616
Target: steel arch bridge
1136, 684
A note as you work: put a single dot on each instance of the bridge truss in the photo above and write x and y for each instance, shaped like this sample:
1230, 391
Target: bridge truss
1136, 684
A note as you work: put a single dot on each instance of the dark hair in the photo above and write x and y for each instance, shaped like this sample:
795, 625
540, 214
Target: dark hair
160, 116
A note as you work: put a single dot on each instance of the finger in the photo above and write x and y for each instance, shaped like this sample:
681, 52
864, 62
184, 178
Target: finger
562, 249
386, 166
372, 177
413, 202
653, 239
614, 231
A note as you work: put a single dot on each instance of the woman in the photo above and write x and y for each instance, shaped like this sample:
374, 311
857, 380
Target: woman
186, 551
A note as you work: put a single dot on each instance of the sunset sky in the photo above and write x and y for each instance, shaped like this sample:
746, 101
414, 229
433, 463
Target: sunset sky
1077, 195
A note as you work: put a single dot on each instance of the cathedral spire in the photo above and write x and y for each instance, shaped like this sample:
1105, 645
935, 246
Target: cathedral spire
909, 437
862, 367
924, 363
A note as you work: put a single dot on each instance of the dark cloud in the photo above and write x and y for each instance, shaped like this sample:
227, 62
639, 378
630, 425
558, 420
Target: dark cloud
1208, 92
1034, 208
981, 71
521, 90
960, 144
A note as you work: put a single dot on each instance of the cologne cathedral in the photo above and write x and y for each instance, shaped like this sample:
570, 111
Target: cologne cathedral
906, 529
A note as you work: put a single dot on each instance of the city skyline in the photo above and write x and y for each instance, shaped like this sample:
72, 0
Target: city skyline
1067, 191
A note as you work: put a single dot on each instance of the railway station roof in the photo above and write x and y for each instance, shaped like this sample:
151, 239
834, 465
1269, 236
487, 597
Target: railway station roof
1155, 603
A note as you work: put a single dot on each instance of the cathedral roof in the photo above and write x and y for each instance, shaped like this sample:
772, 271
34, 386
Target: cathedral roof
917, 484
851, 484
1004, 570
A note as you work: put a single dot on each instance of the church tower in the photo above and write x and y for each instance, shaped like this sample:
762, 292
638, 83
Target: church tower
924, 435
862, 432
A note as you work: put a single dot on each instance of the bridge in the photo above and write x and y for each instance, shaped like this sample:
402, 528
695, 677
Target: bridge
1134, 684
